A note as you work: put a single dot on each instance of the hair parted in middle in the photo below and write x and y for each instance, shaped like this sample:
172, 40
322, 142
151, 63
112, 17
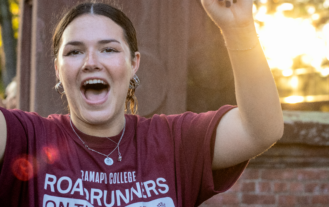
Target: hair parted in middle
115, 15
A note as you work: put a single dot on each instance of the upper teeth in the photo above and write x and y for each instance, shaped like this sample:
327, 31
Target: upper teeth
94, 81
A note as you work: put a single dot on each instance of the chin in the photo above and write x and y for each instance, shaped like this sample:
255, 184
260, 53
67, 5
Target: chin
100, 117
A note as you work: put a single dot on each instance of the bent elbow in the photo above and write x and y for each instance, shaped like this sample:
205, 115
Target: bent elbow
275, 133
270, 134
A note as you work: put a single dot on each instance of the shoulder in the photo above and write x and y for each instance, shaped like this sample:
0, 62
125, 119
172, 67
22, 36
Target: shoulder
18, 117
179, 119
31, 120
149, 126
58, 119
155, 120
145, 121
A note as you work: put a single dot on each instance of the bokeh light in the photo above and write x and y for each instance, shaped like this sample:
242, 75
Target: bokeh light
50, 154
22, 168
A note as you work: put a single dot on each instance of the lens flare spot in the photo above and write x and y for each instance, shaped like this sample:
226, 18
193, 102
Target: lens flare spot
325, 72
315, 16
287, 72
294, 82
310, 9
50, 154
23, 169
294, 99
285, 7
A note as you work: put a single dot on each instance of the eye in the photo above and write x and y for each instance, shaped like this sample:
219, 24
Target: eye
109, 50
73, 52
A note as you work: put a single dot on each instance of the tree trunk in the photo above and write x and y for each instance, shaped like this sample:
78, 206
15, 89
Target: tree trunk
9, 43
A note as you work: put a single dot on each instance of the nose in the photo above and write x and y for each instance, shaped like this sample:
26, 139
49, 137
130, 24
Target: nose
91, 62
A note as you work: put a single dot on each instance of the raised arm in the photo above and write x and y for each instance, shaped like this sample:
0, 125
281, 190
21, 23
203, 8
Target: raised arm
257, 123
3, 136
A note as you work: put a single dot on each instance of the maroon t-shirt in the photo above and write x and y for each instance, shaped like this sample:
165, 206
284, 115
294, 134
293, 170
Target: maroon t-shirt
166, 162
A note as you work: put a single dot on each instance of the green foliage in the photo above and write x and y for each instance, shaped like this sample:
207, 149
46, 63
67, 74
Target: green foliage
14, 9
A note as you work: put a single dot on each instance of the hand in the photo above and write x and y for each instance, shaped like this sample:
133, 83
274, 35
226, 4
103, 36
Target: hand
237, 15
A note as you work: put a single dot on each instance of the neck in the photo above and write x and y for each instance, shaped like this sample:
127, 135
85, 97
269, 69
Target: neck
99, 129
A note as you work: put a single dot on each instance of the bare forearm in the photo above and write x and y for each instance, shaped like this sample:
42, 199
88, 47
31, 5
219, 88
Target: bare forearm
256, 93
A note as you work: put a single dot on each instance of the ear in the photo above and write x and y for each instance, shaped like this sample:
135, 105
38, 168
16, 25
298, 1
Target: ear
56, 69
135, 63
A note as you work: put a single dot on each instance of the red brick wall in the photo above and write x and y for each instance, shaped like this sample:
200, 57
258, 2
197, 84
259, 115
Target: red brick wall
277, 187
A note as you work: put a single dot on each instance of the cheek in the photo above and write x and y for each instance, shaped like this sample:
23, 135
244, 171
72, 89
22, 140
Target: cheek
68, 70
121, 71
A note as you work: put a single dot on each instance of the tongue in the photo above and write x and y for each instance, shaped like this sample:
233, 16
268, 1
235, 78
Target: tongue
95, 95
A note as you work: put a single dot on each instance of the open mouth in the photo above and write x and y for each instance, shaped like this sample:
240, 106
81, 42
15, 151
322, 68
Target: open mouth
95, 90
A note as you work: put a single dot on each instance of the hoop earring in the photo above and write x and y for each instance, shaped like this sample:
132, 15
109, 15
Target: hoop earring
134, 82
59, 85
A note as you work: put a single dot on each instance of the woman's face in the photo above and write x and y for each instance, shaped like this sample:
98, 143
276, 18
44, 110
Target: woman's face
95, 66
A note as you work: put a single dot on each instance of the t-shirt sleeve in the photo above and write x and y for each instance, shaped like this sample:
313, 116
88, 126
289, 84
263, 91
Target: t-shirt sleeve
18, 165
197, 137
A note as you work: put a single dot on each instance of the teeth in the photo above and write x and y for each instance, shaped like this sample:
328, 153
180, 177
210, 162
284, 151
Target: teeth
94, 81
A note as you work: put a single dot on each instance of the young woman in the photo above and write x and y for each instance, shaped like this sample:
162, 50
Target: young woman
100, 156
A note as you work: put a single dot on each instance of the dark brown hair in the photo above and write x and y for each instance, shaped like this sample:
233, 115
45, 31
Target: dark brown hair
115, 15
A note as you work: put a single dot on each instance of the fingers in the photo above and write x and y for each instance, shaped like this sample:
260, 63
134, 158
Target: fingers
228, 3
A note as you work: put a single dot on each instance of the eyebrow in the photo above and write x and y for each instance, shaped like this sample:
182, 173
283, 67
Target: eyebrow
74, 43
102, 42
108, 41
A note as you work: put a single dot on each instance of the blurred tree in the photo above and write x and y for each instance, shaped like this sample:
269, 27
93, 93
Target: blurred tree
8, 59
